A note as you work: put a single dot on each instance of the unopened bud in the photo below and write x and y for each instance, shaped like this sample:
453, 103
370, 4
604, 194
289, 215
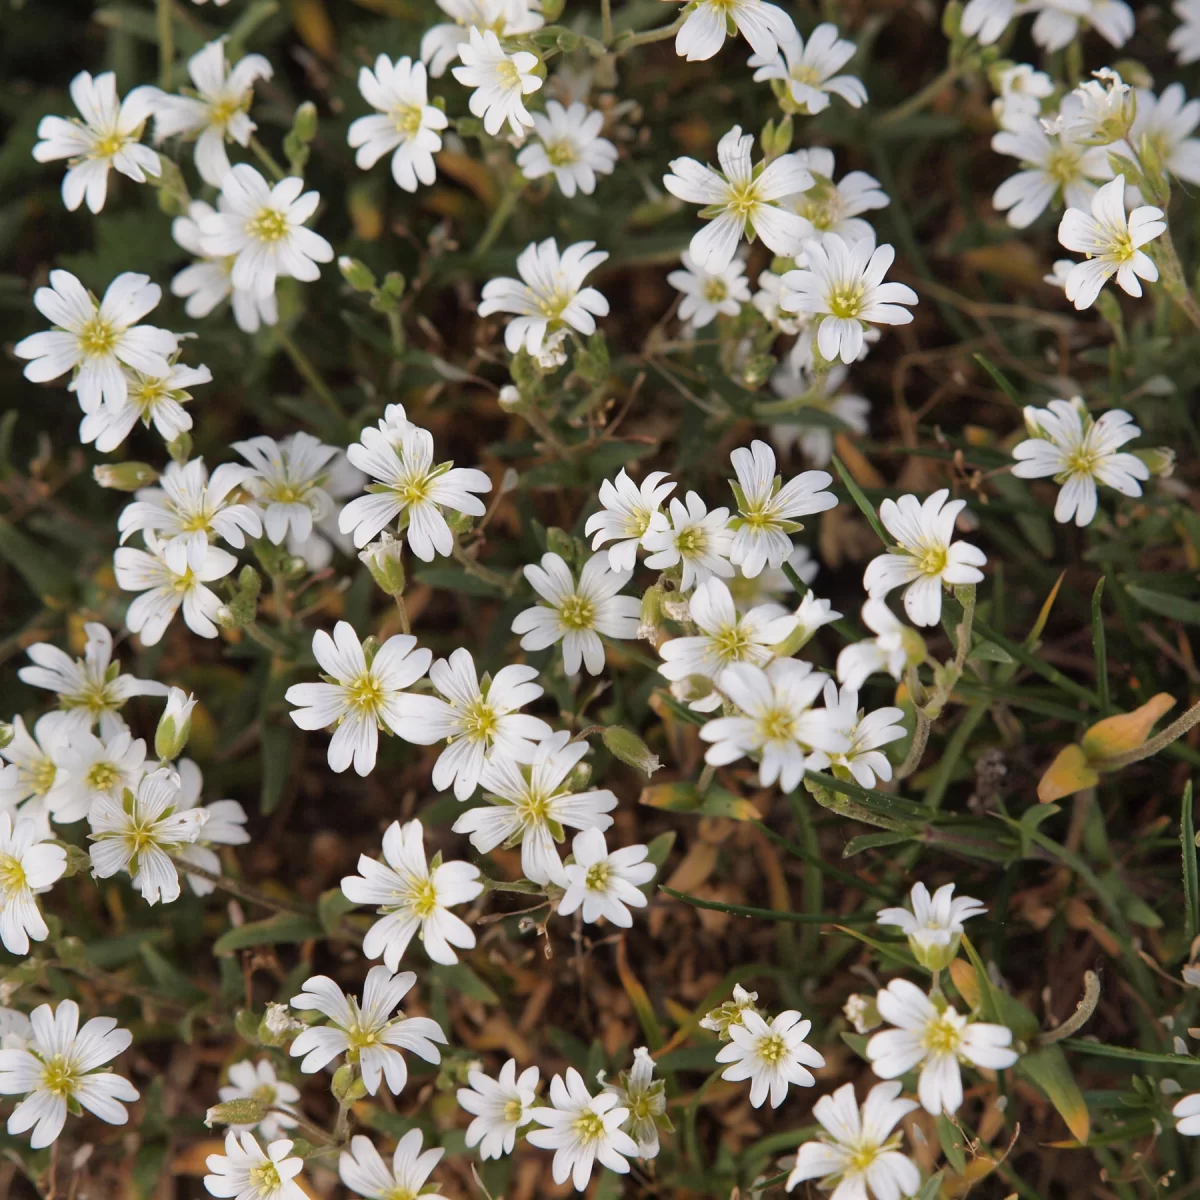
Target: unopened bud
652, 611
693, 689
6, 734
952, 19
248, 1110
580, 777
384, 559
357, 274
346, 1085
249, 582
509, 398
552, 10
175, 725
278, 1025
630, 749
862, 1013
79, 862
124, 477
304, 124
180, 448
1160, 460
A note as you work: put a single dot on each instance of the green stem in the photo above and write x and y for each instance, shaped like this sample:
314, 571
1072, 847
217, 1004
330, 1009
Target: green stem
267, 640
265, 157
244, 891
924, 97
1174, 280
405, 624
628, 40
606, 21
312, 377
166, 43
504, 210
474, 567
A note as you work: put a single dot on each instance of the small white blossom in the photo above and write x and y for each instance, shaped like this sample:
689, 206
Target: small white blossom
29, 864
368, 1031
93, 769
262, 228
247, 1172
139, 833
863, 761
893, 648
605, 885
156, 400
477, 721
582, 1130
289, 483
94, 340
925, 558
1167, 123
224, 825
811, 68
405, 123
1021, 88
836, 207
1111, 242
1098, 112
508, 18
532, 804
167, 581
731, 1013
789, 381
628, 515
216, 111
549, 297
250, 1080
858, 1155
59, 1069
413, 898
569, 147
767, 510
500, 1107
697, 541
35, 777
108, 136
577, 613
934, 927
91, 690
776, 721
645, 1098
501, 82
1185, 42
937, 1039
765, 26
1058, 22
740, 202
359, 698
988, 19
363, 1170
843, 287
709, 294
772, 1056
1187, 1111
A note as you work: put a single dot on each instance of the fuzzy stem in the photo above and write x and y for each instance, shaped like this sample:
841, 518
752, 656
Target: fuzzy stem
1172, 733
405, 624
243, 891
267, 159
1174, 280
500, 216
1080, 1017
474, 567
628, 40
921, 99
302, 364
606, 21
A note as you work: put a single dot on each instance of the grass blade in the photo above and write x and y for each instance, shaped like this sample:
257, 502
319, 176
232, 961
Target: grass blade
864, 505
1101, 646
1191, 892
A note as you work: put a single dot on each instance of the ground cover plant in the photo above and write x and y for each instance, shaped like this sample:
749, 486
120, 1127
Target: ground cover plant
599, 598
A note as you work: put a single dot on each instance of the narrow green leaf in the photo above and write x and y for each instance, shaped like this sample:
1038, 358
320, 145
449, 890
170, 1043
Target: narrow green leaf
931, 1188
1000, 379
277, 740
1178, 608
458, 977
1048, 1068
48, 575
455, 579
951, 1143
1100, 645
864, 505
332, 906
769, 914
278, 930
1128, 1053
872, 841
1028, 659
1191, 888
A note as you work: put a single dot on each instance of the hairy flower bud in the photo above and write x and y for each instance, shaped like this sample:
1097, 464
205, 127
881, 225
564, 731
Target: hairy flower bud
125, 476
1160, 460
862, 1013
175, 725
278, 1026
357, 274
247, 1110
384, 559
6, 734
630, 749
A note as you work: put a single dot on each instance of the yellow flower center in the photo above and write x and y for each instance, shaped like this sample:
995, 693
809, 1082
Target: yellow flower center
286, 493
102, 775
514, 1110
942, 1036
846, 300
507, 75
597, 877
588, 1126
223, 111
39, 776
268, 225
12, 875
414, 490
264, 1178
561, 153
778, 725
148, 395
772, 1049
108, 145
933, 561
577, 612
423, 898
731, 643
803, 73
479, 721
551, 306
361, 1039
715, 290
365, 694
59, 1076
533, 809
407, 119
692, 541
97, 338
743, 198
185, 582
864, 1155
1083, 461
1062, 165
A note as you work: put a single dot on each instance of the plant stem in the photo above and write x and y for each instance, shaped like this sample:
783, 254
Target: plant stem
405, 624
916, 751
474, 567
628, 40
606, 21
267, 159
166, 43
268, 641
244, 891
1080, 1017
921, 99
499, 219
1173, 732
1174, 280
301, 363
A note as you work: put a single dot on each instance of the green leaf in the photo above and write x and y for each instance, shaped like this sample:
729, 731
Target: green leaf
458, 977
1178, 608
931, 1188
278, 930
951, 1143
1000, 379
1100, 644
456, 579
332, 906
47, 575
864, 505
277, 743
897, 952
989, 652
767, 914
871, 841
1191, 891
1047, 1067
1129, 1053
168, 977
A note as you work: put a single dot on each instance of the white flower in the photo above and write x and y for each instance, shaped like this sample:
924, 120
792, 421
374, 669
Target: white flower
811, 69
549, 296
59, 1069
1054, 169
216, 111
93, 340
1187, 1111
288, 482
1058, 22
408, 123
1167, 121
698, 541
166, 581
95, 768
1059, 272
707, 294
582, 1130
576, 614
186, 507
791, 382
859, 1152
35, 772
140, 832
934, 927
645, 1098
720, 1019
766, 300
569, 147
1079, 453
261, 228
829, 207
935, 1038
764, 26
863, 760
766, 510
151, 399
811, 615
500, 80
605, 884
743, 202
224, 825
410, 485
988, 19
364, 1171
776, 721
500, 1107
1185, 37
244, 1171
358, 697
368, 1032
772, 584
772, 1056
1021, 88
1112, 243
508, 18
476, 721
108, 136
1098, 112
250, 1080
925, 557
894, 647
628, 514
531, 804
209, 280
91, 690
412, 898
843, 287
29, 864
725, 637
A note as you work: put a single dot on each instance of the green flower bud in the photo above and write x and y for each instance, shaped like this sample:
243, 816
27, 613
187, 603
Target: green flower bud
384, 559
6, 734
124, 477
862, 1013
278, 1026
180, 449
1160, 460
304, 124
175, 725
552, 10
630, 749
248, 1110
357, 274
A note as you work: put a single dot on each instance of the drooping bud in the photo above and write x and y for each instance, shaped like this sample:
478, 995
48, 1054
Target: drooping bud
124, 477
357, 274
175, 725
630, 749
247, 1110
509, 398
180, 448
1160, 460
384, 559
